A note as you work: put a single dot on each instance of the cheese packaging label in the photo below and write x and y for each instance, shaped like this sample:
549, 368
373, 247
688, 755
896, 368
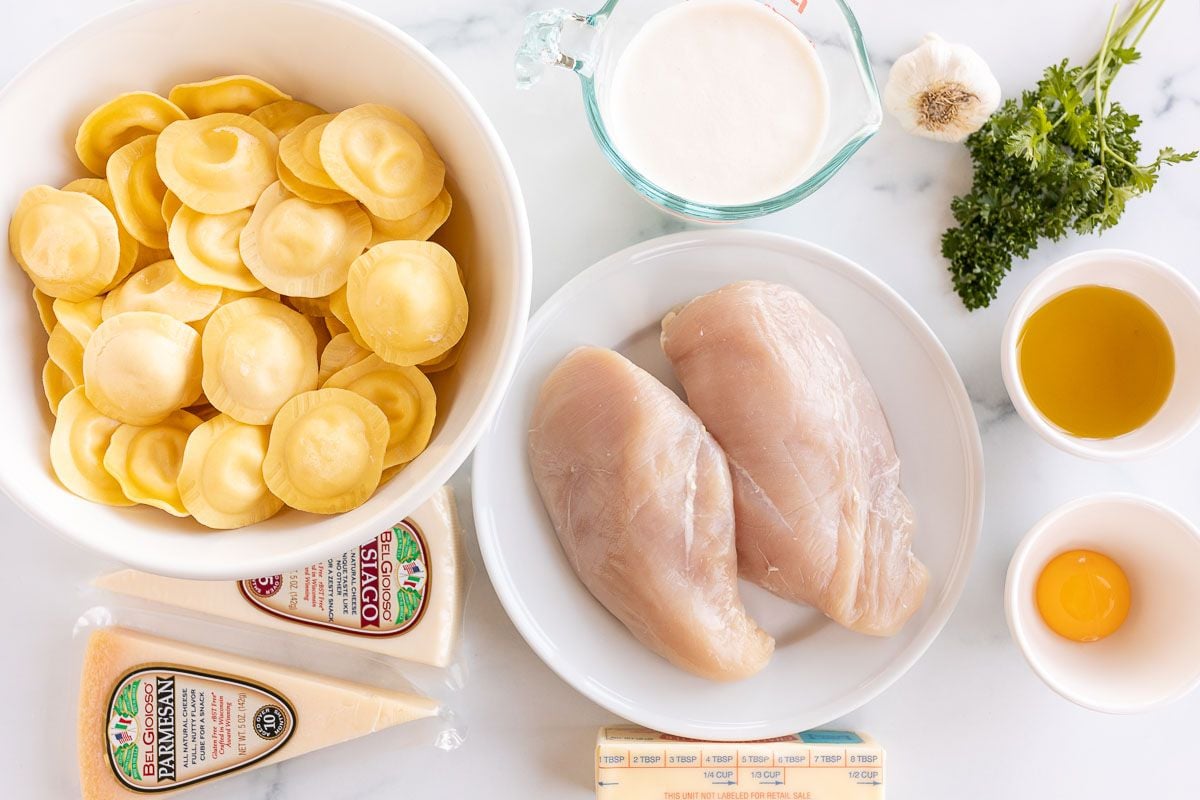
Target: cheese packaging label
169, 726
377, 589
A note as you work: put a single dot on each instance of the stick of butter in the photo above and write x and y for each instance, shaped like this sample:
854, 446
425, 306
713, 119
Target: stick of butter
635, 763
400, 594
157, 715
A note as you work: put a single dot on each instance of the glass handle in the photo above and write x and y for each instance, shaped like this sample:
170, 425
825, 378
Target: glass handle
543, 43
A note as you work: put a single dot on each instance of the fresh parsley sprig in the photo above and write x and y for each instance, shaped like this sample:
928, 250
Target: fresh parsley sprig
1062, 158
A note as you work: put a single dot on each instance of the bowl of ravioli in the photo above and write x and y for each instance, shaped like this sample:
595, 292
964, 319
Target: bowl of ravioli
213, 309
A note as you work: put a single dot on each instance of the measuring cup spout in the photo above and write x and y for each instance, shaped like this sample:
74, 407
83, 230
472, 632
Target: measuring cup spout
557, 37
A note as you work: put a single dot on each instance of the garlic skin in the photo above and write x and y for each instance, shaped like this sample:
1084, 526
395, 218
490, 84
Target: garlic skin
941, 91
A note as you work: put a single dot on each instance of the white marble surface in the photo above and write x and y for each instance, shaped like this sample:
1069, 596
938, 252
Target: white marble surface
970, 719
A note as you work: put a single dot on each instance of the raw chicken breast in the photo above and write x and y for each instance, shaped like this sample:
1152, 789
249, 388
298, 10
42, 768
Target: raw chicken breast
640, 496
821, 518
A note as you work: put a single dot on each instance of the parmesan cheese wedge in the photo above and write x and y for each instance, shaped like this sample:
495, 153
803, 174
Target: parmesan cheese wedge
157, 715
401, 594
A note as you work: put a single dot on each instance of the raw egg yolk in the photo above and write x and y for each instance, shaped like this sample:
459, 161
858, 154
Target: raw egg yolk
1082, 595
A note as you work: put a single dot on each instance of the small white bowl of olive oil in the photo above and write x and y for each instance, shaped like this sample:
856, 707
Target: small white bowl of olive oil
1103, 600
1099, 355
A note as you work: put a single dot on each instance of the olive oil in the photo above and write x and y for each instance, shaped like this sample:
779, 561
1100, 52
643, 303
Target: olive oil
1097, 362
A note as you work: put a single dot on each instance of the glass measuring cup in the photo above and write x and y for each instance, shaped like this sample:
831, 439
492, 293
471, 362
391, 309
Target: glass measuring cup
591, 44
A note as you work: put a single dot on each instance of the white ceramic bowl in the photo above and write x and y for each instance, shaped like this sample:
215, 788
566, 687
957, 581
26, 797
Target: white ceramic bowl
1166, 291
820, 671
332, 55
1154, 657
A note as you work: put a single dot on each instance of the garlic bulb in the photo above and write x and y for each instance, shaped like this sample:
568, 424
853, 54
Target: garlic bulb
940, 90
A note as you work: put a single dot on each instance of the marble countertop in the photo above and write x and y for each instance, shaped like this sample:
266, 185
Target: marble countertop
970, 719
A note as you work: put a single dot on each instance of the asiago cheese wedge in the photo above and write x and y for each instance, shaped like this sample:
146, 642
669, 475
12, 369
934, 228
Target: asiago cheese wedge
138, 698
417, 566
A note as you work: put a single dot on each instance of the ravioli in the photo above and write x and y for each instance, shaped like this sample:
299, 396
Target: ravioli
56, 384
217, 164
80, 319
150, 255
282, 116
300, 152
44, 304
313, 194
77, 445
98, 188
326, 451
66, 351
339, 306
341, 352
66, 242
163, 287
140, 366
403, 394
239, 94
383, 159
171, 205
299, 248
310, 306
137, 189
206, 248
258, 354
418, 226
221, 478
407, 301
443, 362
145, 461
118, 122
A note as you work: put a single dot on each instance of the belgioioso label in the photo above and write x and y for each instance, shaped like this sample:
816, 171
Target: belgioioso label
378, 589
171, 726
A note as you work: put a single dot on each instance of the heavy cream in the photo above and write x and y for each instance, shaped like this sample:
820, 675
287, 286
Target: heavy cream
722, 102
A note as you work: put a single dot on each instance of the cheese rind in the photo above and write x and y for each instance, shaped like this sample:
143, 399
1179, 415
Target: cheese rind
281, 713
421, 625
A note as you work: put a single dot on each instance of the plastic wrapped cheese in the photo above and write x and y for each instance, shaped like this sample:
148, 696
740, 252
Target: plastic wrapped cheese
400, 594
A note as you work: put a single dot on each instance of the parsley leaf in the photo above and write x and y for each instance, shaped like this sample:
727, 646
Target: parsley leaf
1059, 159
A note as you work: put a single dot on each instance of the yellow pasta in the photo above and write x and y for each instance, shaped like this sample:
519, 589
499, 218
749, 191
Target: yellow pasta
170, 207
98, 188
145, 461
77, 445
341, 352
403, 394
80, 319
137, 190
299, 248
221, 477
45, 308
218, 163
140, 366
313, 194
66, 242
162, 287
300, 152
418, 226
310, 306
206, 248
258, 354
383, 159
282, 116
56, 384
407, 301
66, 351
118, 122
326, 451
239, 94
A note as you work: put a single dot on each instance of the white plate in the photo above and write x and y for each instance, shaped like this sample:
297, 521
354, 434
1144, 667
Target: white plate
820, 671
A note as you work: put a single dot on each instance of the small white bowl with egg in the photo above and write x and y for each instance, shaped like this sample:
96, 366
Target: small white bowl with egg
327, 53
1153, 658
1169, 294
